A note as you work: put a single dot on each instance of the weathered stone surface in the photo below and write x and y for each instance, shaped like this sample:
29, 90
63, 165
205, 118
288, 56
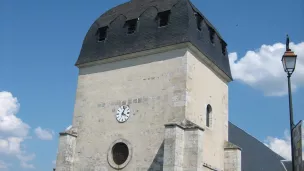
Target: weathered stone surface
151, 82
205, 87
193, 150
232, 157
229, 145
169, 87
66, 150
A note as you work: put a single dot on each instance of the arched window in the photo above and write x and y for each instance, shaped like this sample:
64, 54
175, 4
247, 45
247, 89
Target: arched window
209, 116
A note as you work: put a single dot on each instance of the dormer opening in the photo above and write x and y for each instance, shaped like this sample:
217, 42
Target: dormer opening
132, 25
163, 18
224, 45
199, 20
102, 33
211, 34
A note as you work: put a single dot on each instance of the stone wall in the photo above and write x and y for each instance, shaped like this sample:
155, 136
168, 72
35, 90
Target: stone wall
206, 86
183, 148
233, 157
166, 85
66, 152
154, 88
174, 149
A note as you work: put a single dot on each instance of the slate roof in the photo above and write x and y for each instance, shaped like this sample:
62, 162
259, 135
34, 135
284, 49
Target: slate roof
287, 165
182, 28
255, 155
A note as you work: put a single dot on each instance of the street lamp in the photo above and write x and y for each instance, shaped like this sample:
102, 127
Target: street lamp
289, 63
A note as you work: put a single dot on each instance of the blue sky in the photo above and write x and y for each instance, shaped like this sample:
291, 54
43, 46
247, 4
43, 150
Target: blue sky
40, 42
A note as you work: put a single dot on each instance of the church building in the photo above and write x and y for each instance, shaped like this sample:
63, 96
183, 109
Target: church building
152, 95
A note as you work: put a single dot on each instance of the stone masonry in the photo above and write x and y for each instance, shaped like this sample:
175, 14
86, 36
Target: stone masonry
233, 157
167, 90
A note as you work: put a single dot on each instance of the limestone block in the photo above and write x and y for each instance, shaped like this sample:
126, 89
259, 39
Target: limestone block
233, 158
173, 148
193, 149
66, 151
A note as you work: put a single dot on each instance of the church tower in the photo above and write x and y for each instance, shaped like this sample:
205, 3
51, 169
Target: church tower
152, 92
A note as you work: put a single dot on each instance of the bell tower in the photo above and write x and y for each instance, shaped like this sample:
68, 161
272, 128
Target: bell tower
152, 92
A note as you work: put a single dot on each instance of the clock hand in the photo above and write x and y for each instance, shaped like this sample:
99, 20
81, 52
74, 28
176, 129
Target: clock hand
123, 112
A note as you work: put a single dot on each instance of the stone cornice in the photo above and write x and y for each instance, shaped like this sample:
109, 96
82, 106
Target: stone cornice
185, 125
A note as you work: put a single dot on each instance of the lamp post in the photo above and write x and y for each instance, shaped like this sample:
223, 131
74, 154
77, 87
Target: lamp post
289, 63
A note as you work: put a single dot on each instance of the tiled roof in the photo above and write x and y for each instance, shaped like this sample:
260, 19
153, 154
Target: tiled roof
182, 27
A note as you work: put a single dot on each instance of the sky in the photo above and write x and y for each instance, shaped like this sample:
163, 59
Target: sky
40, 42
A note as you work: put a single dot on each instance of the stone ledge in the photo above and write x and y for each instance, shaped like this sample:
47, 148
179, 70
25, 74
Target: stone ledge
185, 125
229, 145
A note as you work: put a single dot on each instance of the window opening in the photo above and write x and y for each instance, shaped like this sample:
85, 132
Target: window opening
132, 25
209, 116
164, 18
211, 34
224, 45
199, 20
102, 33
120, 153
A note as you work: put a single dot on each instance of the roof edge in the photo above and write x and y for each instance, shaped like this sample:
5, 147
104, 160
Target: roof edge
256, 140
207, 21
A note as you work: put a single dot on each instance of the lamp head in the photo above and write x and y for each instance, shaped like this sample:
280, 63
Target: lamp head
289, 59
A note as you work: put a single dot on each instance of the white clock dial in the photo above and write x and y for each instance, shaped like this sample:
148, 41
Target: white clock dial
123, 114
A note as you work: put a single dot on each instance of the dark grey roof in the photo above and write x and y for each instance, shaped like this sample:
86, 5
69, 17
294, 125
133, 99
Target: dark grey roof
287, 165
182, 28
255, 155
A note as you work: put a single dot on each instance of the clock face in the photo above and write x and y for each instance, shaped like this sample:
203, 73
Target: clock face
123, 114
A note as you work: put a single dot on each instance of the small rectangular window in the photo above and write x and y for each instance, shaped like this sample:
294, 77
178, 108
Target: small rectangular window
211, 34
132, 26
102, 33
199, 20
163, 18
224, 45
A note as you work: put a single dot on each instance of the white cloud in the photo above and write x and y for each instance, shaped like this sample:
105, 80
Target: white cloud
282, 145
44, 134
262, 69
54, 162
11, 145
9, 123
24, 159
26, 165
3, 165
13, 131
